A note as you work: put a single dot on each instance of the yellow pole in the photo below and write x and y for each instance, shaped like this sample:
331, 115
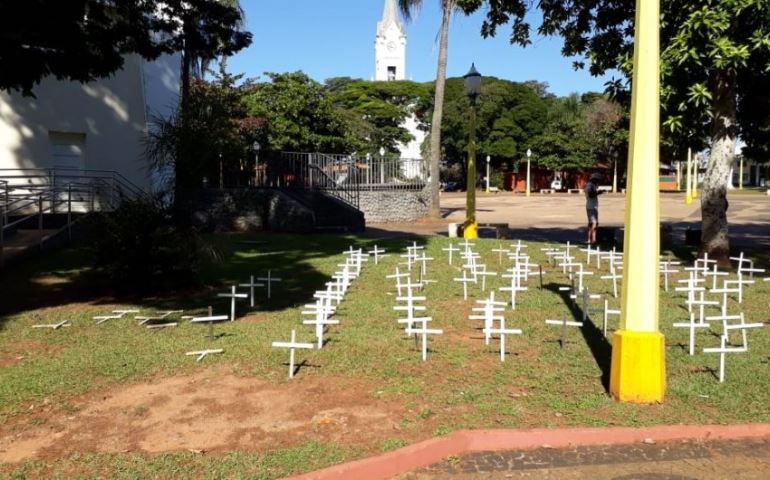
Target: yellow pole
638, 371
471, 230
528, 176
688, 180
740, 175
694, 177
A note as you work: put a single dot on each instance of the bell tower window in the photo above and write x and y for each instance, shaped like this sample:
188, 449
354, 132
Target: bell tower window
391, 73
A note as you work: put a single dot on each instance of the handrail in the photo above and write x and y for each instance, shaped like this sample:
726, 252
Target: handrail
348, 196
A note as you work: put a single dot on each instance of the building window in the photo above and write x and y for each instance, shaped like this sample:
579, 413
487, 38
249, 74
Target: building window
391, 73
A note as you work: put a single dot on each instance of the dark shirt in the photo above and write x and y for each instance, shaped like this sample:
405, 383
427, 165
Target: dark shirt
592, 195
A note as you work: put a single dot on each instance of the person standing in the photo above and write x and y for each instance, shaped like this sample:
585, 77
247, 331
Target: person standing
592, 206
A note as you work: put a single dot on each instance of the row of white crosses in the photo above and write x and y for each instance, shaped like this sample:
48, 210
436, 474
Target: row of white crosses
414, 323
697, 283
489, 312
326, 302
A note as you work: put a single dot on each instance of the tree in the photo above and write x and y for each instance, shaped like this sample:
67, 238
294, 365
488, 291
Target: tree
714, 54
83, 40
376, 111
447, 8
298, 115
509, 115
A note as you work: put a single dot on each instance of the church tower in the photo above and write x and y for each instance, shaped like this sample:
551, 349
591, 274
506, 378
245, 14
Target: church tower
390, 46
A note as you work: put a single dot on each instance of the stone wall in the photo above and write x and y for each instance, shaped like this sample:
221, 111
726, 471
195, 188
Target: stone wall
398, 206
248, 210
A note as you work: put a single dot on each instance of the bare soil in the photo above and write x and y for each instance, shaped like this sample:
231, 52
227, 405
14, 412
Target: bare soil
213, 410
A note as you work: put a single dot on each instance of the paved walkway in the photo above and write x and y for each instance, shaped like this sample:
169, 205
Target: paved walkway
562, 217
745, 459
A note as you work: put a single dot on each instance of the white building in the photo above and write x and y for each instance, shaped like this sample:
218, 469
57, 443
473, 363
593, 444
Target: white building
100, 125
390, 65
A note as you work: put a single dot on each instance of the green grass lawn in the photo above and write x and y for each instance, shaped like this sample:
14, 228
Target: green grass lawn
462, 385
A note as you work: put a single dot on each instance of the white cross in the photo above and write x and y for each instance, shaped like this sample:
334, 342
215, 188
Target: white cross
377, 254
500, 250
516, 276
701, 303
424, 332
320, 323
292, 345
741, 260
607, 312
489, 308
232, 296
398, 276
564, 323
585, 298
665, 269
465, 281
518, 246
691, 286
742, 326
143, 319
614, 277
410, 308
451, 248
124, 312
210, 319
55, 326
201, 354
722, 350
714, 274
502, 331
481, 270
580, 274
424, 260
740, 282
692, 325
705, 261
251, 286
103, 318
330, 294
467, 245
590, 253
725, 296
269, 279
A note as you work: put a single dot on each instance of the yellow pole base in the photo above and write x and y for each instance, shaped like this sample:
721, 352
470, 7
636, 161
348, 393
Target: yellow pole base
528, 193
471, 231
694, 194
638, 373
688, 199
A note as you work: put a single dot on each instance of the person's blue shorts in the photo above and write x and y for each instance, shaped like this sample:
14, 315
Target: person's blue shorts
593, 215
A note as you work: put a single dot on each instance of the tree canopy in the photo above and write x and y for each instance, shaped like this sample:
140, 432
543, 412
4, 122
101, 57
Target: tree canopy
82, 40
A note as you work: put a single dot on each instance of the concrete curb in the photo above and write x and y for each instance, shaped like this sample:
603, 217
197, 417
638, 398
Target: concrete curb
463, 442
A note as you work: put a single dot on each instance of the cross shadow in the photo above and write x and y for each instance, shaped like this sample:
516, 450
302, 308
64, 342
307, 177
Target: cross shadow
594, 338
301, 365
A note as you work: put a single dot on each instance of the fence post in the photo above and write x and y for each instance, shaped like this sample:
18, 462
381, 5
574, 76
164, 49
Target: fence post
2, 237
40, 211
69, 212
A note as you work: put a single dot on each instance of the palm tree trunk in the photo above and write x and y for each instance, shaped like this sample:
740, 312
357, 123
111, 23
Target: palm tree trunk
714, 236
438, 111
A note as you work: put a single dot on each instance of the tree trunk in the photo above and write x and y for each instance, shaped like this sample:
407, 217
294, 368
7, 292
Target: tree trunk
714, 239
438, 111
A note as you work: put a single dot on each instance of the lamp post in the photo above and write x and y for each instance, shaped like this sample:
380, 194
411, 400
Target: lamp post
472, 87
740, 175
529, 156
488, 173
688, 180
255, 147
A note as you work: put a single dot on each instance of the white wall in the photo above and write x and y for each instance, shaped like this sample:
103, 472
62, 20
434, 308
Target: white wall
111, 114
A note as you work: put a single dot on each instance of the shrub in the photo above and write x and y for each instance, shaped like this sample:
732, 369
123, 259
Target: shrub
137, 248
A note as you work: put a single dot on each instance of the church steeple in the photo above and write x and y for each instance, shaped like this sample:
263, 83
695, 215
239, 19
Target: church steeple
389, 16
390, 45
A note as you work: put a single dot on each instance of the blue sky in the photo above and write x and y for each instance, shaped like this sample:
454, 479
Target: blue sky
329, 38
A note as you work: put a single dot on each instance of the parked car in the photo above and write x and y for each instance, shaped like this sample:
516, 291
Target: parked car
452, 187
556, 184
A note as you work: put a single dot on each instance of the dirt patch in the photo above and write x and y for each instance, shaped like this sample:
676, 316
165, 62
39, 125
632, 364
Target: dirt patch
213, 410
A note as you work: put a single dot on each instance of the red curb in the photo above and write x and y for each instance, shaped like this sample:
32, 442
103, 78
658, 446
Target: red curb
462, 442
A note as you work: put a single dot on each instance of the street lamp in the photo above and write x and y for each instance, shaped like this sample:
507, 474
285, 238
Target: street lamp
487, 173
529, 156
256, 147
472, 87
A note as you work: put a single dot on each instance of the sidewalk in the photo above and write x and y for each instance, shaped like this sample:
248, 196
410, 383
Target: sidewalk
574, 452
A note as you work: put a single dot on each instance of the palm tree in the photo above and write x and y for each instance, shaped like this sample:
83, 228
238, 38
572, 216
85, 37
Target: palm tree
407, 7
